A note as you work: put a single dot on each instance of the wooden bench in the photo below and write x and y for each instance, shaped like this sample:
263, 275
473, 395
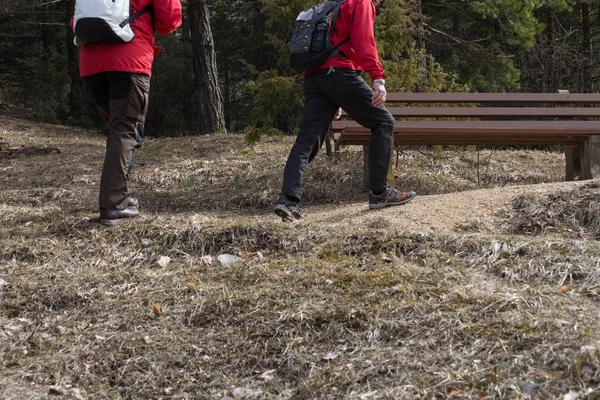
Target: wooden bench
566, 119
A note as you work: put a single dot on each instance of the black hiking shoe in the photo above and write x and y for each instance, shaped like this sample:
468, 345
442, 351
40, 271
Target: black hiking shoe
390, 197
115, 217
288, 210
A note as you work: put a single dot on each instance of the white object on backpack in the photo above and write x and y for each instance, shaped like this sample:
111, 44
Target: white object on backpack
104, 21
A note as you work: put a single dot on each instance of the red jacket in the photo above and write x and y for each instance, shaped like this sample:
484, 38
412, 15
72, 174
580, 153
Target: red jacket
136, 56
355, 20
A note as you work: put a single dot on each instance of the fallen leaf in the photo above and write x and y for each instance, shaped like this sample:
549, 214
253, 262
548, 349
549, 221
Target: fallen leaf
241, 393
163, 261
157, 310
5, 334
571, 396
76, 393
268, 375
228, 259
206, 260
386, 258
451, 390
147, 340
55, 390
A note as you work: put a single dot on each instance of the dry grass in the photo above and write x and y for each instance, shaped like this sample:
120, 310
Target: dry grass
573, 213
313, 312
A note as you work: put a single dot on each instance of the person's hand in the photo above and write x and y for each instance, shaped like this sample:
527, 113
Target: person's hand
338, 114
380, 94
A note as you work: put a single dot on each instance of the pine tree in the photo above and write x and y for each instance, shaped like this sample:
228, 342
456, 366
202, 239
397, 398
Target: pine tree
209, 101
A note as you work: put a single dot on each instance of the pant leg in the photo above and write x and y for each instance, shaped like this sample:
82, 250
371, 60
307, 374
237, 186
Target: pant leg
318, 113
318, 144
125, 96
348, 89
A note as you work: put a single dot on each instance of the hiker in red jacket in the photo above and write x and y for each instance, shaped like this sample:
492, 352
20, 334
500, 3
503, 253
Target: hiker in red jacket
118, 77
338, 83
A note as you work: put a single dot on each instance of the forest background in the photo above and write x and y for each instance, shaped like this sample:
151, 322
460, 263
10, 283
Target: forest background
226, 69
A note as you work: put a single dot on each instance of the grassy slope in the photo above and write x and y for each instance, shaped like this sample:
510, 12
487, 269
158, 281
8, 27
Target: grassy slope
317, 310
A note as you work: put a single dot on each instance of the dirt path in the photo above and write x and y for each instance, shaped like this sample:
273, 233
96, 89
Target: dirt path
444, 213
74, 171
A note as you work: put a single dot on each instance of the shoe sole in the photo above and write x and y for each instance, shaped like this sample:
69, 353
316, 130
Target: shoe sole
285, 214
112, 222
375, 206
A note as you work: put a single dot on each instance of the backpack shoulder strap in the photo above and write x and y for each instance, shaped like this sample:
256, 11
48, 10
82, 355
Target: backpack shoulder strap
336, 52
138, 14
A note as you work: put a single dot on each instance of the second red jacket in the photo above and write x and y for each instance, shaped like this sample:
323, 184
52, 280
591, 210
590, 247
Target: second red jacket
136, 56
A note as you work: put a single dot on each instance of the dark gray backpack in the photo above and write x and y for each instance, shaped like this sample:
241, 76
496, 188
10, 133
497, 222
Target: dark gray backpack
310, 42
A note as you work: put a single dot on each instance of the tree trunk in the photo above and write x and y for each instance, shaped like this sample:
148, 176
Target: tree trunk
551, 84
75, 106
227, 99
419, 29
209, 100
588, 52
419, 37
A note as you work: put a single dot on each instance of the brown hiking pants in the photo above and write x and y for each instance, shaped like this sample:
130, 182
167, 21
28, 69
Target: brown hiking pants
122, 100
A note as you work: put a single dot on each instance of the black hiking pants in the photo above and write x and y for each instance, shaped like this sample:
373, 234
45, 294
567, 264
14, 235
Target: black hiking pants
121, 99
324, 92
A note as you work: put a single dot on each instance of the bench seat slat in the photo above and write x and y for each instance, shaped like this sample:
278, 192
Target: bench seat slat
480, 98
491, 112
549, 128
464, 140
465, 143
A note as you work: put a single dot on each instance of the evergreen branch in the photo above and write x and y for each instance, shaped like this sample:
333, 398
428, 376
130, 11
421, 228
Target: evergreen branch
44, 4
454, 38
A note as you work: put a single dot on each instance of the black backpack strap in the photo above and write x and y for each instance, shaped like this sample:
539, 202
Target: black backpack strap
336, 52
135, 16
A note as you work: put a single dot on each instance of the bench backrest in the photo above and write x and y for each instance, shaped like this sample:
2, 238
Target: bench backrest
512, 105
482, 98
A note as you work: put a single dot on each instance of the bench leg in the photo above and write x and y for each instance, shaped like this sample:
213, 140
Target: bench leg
390, 177
583, 160
366, 170
593, 156
573, 162
367, 173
